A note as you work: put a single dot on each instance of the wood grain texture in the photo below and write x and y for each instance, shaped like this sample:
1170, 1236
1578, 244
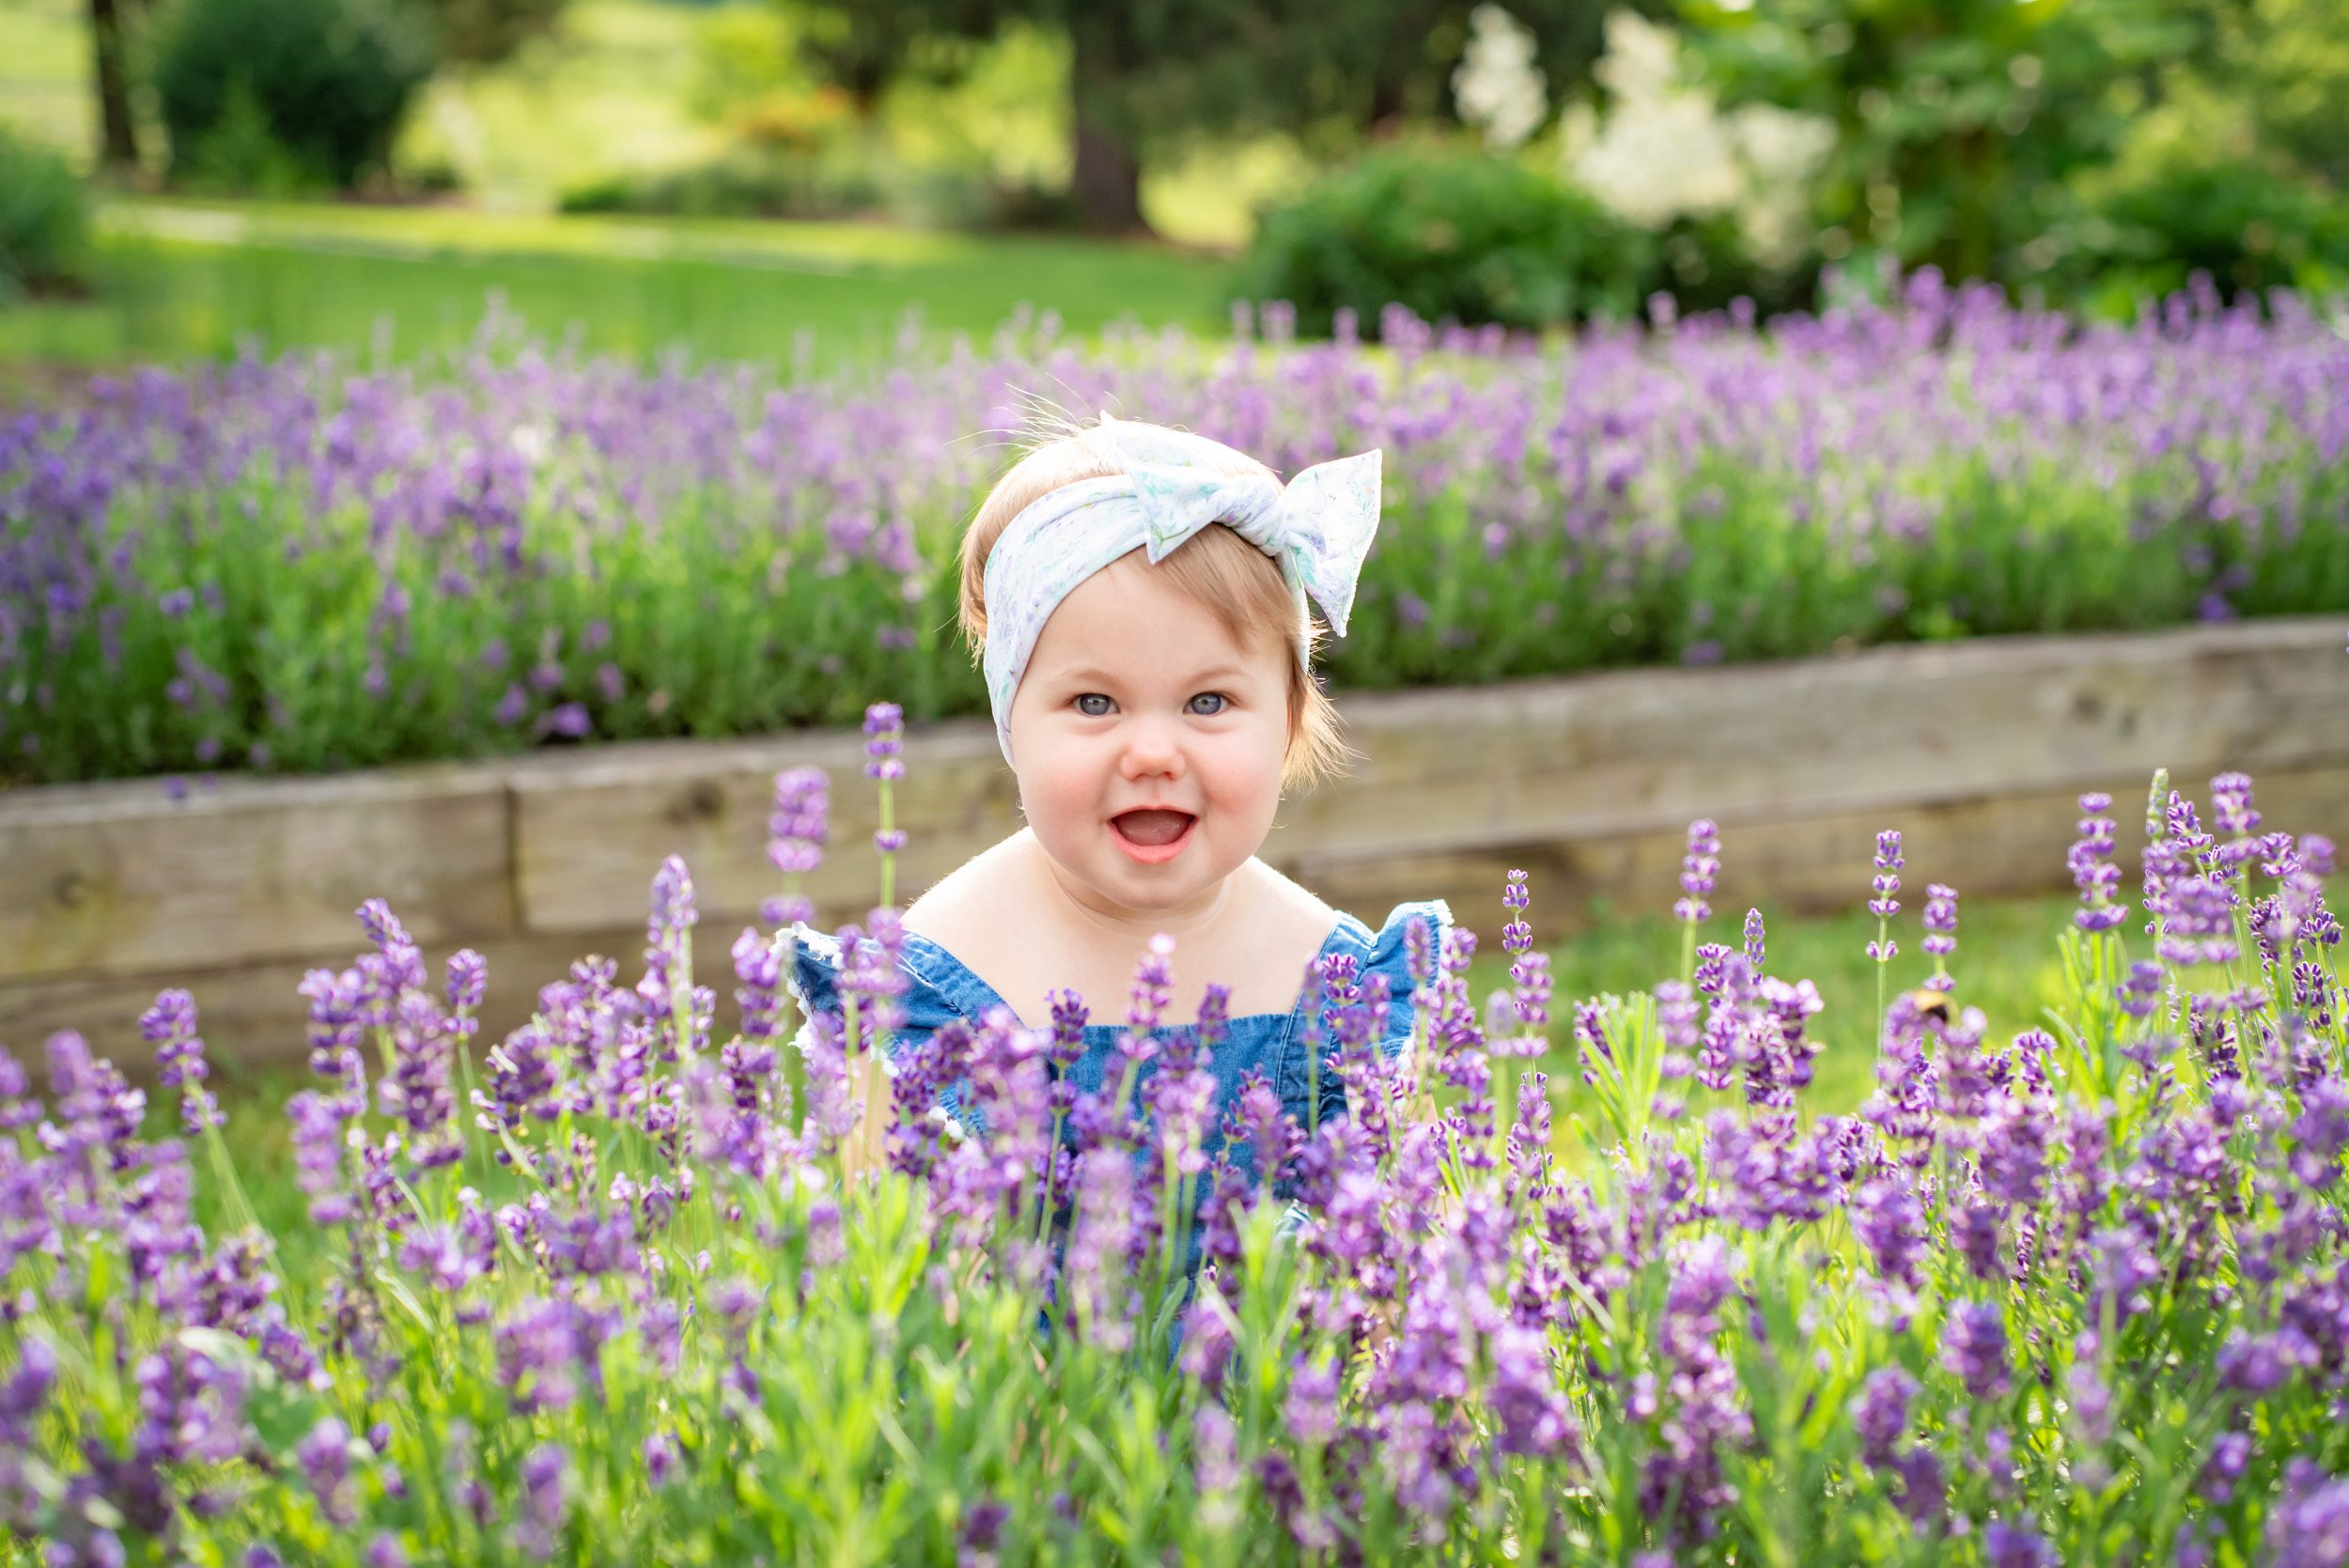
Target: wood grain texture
1644, 751
1575, 761
1975, 748
586, 841
2004, 845
119, 880
250, 1016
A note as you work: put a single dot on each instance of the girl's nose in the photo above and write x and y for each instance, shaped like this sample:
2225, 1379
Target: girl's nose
1153, 750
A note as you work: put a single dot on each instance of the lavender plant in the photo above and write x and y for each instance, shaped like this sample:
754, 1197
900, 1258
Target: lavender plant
302, 565
2079, 1295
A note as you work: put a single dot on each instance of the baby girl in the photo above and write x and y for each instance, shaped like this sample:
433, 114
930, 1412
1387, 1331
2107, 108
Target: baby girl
1138, 600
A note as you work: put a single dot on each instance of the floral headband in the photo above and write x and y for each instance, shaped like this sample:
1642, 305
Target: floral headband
1317, 528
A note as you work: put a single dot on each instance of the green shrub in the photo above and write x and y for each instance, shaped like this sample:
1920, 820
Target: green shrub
2251, 226
269, 94
44, 218
1450, 233
241, 153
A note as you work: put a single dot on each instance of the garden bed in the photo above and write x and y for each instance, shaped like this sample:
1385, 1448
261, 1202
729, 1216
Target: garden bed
301, 567
109, 892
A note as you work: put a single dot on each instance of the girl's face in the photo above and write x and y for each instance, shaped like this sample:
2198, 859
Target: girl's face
1148, 743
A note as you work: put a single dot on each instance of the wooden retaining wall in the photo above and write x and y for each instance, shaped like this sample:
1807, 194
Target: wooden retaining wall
1975, 750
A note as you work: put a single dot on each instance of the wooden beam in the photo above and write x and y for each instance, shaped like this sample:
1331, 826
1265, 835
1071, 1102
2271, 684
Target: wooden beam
120, 879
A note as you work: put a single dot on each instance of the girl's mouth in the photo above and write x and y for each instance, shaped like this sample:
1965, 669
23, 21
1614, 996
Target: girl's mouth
1152, 837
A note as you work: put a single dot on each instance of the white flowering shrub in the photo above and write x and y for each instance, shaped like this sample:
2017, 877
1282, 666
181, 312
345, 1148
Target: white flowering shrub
1498, 88
1664, 149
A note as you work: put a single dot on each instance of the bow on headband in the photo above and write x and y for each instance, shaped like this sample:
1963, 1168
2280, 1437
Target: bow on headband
1317, 528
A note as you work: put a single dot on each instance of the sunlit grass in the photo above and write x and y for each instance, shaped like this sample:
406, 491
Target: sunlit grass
189, 280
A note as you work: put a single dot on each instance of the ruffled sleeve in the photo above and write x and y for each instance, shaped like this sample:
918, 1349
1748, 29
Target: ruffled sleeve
929, 1002
1386, 953
814, 983
1390, 955
814, 978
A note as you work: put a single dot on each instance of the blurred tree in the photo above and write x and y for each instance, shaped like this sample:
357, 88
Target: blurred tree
118, 150
2235, 169
1145, 75
2289, 60
483, 32
1958, 121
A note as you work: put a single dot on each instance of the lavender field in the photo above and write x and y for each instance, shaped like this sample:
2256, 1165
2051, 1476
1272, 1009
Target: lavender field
305, 565
1596, 1290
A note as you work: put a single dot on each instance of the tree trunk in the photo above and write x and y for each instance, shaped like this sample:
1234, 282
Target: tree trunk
1107, 182
121, 153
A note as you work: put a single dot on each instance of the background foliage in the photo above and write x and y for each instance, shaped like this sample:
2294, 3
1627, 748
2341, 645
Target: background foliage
267, 93
44, 218
1448, 234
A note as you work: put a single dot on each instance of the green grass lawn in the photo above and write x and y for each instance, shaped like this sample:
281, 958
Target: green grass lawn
618, 85
180, 280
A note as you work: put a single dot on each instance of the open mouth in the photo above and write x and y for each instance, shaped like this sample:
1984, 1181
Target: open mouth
1152, 836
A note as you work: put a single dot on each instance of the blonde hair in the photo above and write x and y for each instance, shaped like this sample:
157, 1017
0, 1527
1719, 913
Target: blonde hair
1236, 583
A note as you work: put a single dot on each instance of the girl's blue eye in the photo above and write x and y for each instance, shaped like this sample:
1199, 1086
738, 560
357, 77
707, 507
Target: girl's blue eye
1216, 698
1102, 712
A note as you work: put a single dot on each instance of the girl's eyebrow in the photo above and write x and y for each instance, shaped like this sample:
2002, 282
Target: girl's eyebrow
1089, 673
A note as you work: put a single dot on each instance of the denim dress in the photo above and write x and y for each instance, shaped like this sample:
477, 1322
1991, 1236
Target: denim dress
942, 987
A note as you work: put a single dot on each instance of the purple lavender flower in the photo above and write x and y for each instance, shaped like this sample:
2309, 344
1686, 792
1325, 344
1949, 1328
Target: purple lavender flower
661, 1458
1309, 1409
1699, 869
1100, 1292
796, 830
1517, 937
169, 1026
2012, 1546
18, 1105
1891, 1224
318, 1141
669, 933
1941, 920
2141, 990
324, 1456
982, 1530
468, 981
1418, 948
2229, 1458
2092, 871
1530, 997
1755, 952
1973, 1346
1529, 1409
2197, 918
2310, 1526
2231, 803
1880, 1413
884, 743
1884, 905
545, 1500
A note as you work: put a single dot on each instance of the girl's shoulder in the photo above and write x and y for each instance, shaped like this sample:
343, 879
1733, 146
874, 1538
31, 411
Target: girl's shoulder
1386, 950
